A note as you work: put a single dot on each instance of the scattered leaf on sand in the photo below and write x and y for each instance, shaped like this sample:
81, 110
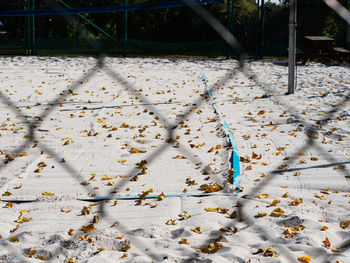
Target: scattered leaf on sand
277, 212
270, 252
161, 197
211, 248
262, 196
184, 241
88, 228
304, 259
48, 194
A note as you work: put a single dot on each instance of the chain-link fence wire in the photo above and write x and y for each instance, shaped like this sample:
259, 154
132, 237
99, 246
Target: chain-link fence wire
310, 130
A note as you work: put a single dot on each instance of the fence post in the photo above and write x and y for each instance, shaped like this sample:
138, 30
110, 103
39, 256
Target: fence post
33, 53
292, 45
347, 27
125, 46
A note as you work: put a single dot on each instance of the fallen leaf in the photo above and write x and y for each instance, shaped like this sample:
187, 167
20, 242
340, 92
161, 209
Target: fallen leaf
211, 248
212, 209
261, 214
275, 202
184, 241
277, 212
270, 252
304, 259
88, 228
197, 230
161, 197
171, 222
14, 239
326, 243
48, 194
6, 193
262, 196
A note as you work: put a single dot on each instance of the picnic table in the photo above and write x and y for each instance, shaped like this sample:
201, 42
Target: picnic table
322, 46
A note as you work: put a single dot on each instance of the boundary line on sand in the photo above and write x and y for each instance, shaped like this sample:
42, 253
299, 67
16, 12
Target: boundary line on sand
236, 181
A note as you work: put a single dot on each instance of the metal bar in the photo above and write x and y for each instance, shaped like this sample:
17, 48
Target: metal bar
262, 28
292, 45
228, 26
107, 9
125, 46
89, 21
32, 25
258, 29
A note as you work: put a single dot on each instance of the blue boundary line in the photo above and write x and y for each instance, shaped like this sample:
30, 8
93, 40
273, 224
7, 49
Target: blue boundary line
106, 9
235, 157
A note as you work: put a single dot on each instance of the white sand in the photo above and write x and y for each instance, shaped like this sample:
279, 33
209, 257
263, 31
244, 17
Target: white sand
97, 126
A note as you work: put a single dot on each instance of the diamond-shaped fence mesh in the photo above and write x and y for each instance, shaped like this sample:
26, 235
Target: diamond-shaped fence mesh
117, 137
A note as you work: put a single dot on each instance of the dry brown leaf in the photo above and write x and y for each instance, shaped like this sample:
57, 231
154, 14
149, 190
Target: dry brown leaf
270, 252
326, 243
277, 212
88, 228
184, 241
275, 202
262, 196
197, 230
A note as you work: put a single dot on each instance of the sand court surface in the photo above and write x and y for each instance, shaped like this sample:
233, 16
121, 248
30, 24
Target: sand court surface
144, 134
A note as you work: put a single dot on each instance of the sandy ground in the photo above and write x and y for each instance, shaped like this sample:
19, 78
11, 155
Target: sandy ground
96, 133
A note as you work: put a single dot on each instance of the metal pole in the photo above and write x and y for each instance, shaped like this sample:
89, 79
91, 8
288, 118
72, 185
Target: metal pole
292, 45
228, 55
347, 27
262, 28
125, 46
258, 29
27, 31
33, 30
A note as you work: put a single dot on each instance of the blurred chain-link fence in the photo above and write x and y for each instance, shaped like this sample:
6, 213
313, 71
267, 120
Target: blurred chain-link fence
213, 243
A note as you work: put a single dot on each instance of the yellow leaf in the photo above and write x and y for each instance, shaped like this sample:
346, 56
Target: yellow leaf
99, 121
71, 260
277, 212
6, 193
261, 214
145, 193
262, 196
71, 232
88, 228
212, 209
121, 161
171, 222
211, 248
41, 257
48, 194
270, 252
197, 230
296, 202
23, 219
104, 178
275, 202
304, 259
66, 210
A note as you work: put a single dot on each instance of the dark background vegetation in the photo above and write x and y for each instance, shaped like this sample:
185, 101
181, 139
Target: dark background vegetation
175, 31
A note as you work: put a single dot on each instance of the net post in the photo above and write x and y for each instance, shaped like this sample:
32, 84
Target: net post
292, 46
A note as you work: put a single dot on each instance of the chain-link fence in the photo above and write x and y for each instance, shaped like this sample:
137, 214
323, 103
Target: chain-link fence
214, 243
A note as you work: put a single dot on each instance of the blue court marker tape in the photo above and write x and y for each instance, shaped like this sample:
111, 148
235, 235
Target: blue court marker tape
235, 157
